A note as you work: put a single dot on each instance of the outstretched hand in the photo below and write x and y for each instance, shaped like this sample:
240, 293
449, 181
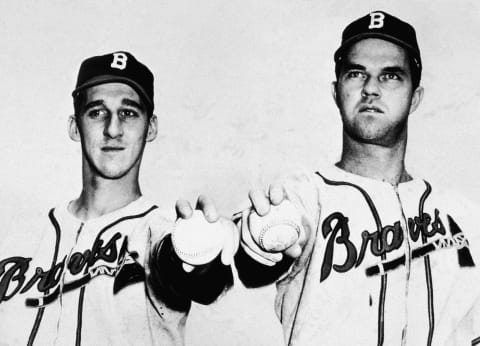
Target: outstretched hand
270, 210
218, 234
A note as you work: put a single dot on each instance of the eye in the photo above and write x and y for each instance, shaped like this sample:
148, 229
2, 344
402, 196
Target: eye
355, 74
390, 76
128, 114
97, 113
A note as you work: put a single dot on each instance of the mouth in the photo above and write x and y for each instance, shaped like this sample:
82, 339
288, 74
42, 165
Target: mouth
370, 109
112, 148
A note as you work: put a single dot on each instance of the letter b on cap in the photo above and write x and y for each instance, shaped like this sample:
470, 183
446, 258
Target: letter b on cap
119, 61
376, 20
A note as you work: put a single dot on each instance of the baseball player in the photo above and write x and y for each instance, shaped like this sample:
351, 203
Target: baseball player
382, 258
102, 270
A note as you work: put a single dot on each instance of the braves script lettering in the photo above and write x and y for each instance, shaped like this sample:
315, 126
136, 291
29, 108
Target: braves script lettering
336, 231
14, 270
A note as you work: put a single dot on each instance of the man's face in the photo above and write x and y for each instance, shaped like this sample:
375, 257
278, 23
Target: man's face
374, 92
113, 128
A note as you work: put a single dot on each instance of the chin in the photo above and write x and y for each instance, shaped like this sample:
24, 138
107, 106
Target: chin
366, 132
113, 173
371, 136
110, 169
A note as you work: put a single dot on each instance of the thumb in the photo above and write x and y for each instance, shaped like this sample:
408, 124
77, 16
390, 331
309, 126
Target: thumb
230, 244
184, 209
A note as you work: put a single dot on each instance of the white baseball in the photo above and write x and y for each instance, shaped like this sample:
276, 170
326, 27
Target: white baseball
278, 230
197, 241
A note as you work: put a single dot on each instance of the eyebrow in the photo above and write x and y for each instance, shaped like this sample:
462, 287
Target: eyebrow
125, 101
388, 69
351, 66
395, 69
132, 103
94, 104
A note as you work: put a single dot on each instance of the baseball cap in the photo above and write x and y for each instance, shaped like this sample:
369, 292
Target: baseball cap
379, 24
120, 67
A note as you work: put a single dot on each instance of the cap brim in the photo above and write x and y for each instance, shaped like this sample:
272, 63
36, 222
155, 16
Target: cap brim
348, 43
112, 79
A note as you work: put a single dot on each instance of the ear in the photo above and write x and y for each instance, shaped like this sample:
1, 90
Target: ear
416, 99
334, 91
73, 130
152, 128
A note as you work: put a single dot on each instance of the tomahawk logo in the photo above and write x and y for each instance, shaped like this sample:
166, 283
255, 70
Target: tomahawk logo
376, 20
119, 61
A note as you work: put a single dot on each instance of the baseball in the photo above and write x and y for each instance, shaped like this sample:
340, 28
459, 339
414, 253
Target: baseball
278, 230
197, 241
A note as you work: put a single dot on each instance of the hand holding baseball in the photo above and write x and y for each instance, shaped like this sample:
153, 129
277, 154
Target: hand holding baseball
274, 227
200, 235
278, 230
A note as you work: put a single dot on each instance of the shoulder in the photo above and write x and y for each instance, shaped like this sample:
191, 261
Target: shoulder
302, 180
451, 201
160, 221
459, 212
148, 211
312, 186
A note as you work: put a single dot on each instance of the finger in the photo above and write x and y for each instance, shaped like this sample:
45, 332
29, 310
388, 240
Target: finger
260, 202
276, 193
261, 259
302, 236
187, 267
208, 208
184, 209
296, 249
293, 251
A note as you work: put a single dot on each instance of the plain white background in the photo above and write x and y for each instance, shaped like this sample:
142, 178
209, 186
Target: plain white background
242, 95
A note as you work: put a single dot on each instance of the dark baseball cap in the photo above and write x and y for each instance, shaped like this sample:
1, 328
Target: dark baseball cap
120, 67
379, 24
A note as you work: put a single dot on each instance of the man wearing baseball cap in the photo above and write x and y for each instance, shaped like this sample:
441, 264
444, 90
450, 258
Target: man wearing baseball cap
103, 270
382, 257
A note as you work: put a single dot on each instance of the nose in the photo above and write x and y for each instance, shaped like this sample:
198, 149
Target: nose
371, 88
113, 127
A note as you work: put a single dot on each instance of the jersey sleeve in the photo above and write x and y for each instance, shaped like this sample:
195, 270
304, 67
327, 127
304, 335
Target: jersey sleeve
464, 216
171, 284
461, 216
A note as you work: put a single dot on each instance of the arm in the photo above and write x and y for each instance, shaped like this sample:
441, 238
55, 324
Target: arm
255, 274
177, 287
179, 270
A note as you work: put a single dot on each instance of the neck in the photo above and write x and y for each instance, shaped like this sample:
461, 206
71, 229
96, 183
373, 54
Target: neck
384, 163
101, 196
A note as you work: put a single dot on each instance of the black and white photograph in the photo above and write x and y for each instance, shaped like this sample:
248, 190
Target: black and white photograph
236, 173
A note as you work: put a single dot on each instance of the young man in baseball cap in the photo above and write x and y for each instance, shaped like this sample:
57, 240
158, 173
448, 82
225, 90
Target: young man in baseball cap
382, 258
103, 271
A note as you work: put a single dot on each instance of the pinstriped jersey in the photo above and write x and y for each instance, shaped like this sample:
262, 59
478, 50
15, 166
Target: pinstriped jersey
383, 264
83, 283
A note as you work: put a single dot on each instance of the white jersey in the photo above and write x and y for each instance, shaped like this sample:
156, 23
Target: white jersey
383, 264
83, 283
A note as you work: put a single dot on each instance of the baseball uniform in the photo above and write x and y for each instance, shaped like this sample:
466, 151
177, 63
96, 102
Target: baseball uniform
95, 282
383, 264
